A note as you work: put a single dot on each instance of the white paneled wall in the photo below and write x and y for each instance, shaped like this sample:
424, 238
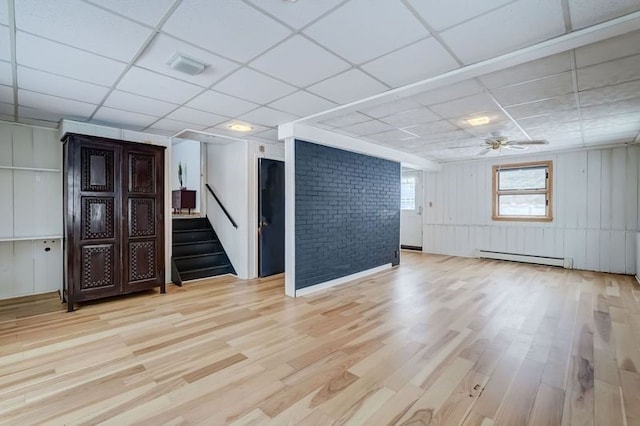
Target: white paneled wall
595, 210
30, 211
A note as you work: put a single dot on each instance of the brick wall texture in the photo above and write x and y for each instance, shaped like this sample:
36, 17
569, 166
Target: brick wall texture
347, 213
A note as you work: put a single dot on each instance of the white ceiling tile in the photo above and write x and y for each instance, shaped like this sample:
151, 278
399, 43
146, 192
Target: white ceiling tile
553, 128
416, 62
56, 58
464, 106
223, 128
221, 104
25, 113
545, 106
557, 85
6, 94
392, 136
346, 120
175, 125
603, 95
6, 109
6, 73
348, 87
82, 25
152, 85
361, 30
609, 49
430, 129
253, 86
270, 135
38, 81
620, 122
296, 14
441, 15
300, 62
5, 46
619, 107
511, 27
609, 73
230, 28
448, 93
389, 108
65, 107
135, 103
302, 103
195, 116
146, 11
544, 119
411, 117
585, 13
164, 47
368, 127
4, 12
529, 71
123, 119
268, 116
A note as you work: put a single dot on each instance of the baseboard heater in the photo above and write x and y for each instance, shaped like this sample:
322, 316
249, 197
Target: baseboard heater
563, 262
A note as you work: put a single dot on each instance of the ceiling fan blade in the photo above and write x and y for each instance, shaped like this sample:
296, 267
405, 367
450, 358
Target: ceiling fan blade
519, 147
484, 151
526, 142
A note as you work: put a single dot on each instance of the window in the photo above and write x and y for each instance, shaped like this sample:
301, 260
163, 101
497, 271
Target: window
408, 193
522, 191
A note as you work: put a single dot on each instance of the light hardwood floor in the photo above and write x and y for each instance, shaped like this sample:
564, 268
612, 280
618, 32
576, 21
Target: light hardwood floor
439, 340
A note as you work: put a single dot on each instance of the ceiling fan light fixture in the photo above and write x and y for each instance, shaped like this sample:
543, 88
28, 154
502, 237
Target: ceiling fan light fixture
186, 65
479, 121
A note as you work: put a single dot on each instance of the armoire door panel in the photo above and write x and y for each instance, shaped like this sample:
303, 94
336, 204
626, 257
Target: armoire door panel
142, 213
141, 173
142, 261
97, 218
97, 267
97, 167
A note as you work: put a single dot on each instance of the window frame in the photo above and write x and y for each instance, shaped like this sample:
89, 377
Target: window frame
548, 192
415, 191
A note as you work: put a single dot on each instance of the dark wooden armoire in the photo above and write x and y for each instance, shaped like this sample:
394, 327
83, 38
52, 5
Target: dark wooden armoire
114, 217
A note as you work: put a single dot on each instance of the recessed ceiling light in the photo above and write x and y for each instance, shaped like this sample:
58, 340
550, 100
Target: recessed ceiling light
479, 121
237, 127
186, 65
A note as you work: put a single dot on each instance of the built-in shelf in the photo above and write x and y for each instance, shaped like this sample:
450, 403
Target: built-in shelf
32, 169
45, 237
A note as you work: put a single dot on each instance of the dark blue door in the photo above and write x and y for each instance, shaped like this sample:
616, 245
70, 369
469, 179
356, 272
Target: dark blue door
271, 217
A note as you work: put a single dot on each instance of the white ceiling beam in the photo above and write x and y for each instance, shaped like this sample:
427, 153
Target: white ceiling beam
348, 143
563, 43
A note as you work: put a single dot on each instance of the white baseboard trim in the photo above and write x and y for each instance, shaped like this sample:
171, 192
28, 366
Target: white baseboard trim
638, 278
327, 284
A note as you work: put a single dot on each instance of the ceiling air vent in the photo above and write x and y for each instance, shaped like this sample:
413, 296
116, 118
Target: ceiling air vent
186, 65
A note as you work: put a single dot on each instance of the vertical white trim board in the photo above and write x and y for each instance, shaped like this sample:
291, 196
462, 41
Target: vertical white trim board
290, 217
342, 280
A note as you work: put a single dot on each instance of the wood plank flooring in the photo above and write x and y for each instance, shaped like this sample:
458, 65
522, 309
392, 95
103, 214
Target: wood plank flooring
437, 341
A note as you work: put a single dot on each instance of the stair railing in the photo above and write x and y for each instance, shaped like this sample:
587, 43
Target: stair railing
235, 225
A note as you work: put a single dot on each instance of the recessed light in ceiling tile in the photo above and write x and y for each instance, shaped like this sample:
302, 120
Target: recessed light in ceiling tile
479, 121
240, 127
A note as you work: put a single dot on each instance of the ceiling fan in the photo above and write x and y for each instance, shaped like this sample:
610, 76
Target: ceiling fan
497, 142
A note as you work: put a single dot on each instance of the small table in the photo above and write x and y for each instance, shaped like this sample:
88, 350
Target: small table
183, 199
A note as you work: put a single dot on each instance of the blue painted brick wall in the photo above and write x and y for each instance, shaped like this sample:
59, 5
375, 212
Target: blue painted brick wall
347, 213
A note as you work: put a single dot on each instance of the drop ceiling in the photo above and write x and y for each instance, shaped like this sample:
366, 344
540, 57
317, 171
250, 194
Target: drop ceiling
270, 62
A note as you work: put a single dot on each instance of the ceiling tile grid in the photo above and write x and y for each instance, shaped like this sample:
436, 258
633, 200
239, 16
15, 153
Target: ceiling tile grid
270, 62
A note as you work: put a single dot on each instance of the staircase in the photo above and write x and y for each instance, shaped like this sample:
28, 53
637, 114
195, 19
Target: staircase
197, 252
